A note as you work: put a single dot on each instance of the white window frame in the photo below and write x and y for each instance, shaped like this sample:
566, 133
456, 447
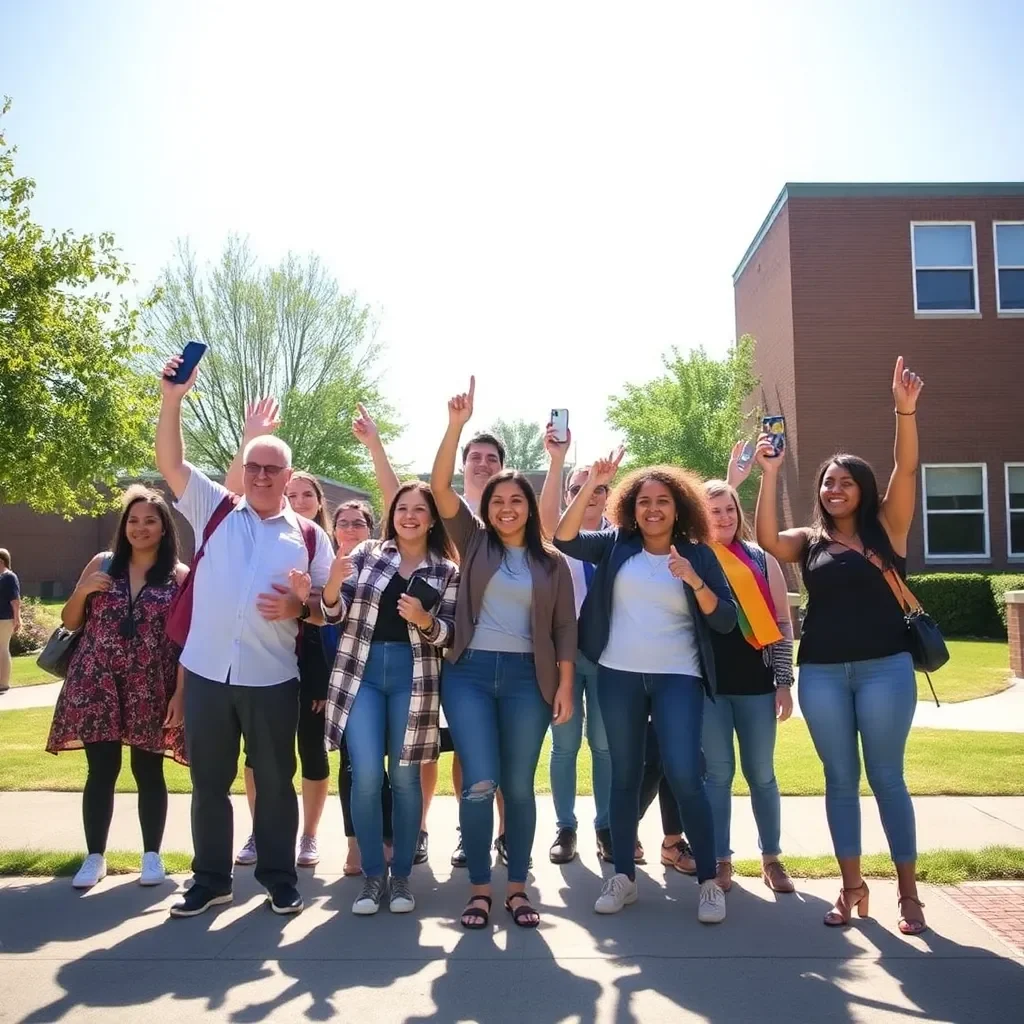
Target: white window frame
1011, 555
944, 313
941, 557
1011, 266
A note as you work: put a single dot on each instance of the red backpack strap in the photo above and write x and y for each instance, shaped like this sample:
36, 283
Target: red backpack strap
308, 530
220, 513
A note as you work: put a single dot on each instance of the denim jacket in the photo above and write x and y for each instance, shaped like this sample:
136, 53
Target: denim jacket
609, 550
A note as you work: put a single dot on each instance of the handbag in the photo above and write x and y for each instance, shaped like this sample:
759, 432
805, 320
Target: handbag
56, 655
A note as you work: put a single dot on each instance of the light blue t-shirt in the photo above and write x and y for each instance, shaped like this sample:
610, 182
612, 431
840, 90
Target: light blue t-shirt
504, 623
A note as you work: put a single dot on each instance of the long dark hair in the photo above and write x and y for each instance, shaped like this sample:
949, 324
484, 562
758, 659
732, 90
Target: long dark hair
868, 519
536, 546
439, 544
167, 553
693, 521
321, 518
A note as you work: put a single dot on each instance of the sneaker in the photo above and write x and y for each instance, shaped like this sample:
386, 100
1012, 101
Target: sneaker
711, 908
93, 869
502, 849
402, 899
368, 900
618, 892
563, 849
309, 855
152, 870
604, 845
197, 900
459, 854
422, 849
285, 899
247, 854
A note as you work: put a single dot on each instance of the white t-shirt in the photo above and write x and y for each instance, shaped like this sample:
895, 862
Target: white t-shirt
651, 628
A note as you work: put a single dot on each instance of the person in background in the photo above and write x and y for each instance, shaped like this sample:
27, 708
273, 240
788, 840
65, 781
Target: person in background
122, 684
510, 671
754, 669
240, 655
566, 739
657, 593
857, 678
385, 694
10, 616
675, 849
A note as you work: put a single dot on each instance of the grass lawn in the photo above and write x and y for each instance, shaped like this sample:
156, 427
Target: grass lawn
25, 672
939, 761
940, 867
976, 668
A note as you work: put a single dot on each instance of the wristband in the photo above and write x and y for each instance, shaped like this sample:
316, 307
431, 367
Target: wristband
697, 590
305, 611
898, 413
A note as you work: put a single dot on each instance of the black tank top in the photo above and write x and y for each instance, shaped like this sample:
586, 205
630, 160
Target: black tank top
852, 614
390, 626
740, 670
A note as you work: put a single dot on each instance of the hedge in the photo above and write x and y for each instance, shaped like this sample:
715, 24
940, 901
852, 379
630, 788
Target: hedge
967, 604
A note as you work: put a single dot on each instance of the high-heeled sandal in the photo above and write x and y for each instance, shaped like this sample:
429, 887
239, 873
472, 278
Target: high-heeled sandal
849, 900
910, 926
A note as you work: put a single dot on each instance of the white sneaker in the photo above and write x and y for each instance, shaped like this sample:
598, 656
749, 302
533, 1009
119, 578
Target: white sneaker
152, 869
247, 854
309, 853
711, 908
617, 893
93, 869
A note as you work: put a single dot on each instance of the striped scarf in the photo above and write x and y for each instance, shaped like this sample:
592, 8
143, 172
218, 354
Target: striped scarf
755, 607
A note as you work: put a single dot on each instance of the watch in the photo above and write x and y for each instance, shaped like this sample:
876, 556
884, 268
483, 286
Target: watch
305, 611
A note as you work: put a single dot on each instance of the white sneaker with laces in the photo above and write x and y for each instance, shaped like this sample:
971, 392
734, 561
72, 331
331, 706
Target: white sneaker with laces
711, 908
309, 854
247, 854
93, 869
619, 891
152, 869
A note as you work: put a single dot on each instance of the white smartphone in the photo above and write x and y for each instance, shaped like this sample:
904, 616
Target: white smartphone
560, 422
745, 456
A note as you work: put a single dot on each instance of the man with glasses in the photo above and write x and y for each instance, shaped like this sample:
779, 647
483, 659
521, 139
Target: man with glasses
567, 738
240, 661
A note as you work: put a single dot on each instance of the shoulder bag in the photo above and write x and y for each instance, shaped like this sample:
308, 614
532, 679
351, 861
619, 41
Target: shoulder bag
55, 657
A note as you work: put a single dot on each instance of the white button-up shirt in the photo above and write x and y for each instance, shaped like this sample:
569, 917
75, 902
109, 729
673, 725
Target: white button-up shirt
228, 638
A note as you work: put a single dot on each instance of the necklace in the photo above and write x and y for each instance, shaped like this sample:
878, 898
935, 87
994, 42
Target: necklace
655, 563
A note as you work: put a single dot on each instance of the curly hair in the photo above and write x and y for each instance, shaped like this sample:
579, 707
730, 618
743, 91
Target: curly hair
693, 522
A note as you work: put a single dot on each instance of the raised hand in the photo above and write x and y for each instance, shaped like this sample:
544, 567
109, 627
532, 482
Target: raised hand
554, 448
167, 386
765, 457
603, 471
364, 427
341, 568
906, 388
460, 407
682, 569
738, 470
96, 583
261, 417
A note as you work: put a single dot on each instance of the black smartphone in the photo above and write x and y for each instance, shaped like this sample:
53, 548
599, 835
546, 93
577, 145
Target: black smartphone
194, 351
775, 428
427, 595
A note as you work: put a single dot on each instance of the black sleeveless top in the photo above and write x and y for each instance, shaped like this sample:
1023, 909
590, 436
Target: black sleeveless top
740, 670
390, 626
852, 614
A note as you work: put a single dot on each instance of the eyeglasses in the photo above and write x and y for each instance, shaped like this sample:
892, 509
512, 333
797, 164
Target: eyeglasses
599, 490
255, 468
351, 524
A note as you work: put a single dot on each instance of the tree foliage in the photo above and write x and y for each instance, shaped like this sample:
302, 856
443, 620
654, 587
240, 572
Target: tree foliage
287, 331
74, 412
524, 444
692, 414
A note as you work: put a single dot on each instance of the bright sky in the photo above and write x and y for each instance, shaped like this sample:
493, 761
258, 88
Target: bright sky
546, 194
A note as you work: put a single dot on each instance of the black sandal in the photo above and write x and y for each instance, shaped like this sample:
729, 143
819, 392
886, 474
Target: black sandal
478, 917
524, 911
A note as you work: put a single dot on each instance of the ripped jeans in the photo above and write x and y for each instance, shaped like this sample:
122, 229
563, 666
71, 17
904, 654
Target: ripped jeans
498, 720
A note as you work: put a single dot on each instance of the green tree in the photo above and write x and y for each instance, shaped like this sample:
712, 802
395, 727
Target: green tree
691, 415
74, 412
287, 331
524, 444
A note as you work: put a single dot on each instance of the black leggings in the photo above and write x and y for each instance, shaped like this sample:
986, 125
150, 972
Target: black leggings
345, 791
104, 760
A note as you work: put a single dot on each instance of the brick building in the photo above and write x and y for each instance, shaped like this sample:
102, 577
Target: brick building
49, 552
839, 281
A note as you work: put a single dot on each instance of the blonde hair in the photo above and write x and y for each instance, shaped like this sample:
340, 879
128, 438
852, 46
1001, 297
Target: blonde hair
715, 489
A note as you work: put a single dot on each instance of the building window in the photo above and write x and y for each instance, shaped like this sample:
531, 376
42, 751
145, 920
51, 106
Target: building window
1015, 509
956, 512
945, 268
1009, 246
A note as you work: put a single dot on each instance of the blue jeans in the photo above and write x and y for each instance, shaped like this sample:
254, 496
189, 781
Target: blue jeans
379, 716
566, 740
675, 704
498, 721
874, 699
752, 718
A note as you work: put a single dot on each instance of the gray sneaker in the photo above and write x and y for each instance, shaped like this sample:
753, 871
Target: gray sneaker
368, 900
402, 899
247, 854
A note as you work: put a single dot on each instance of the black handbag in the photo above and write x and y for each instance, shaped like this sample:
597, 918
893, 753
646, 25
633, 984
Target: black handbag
56, 655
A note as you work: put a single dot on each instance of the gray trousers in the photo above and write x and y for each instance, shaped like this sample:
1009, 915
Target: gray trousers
217, 715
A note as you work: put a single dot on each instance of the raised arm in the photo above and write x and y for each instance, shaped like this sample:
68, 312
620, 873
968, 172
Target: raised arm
261, 417
170, 449
788, 545
460, 409
551, 492
897, 510
601, 472
366, 432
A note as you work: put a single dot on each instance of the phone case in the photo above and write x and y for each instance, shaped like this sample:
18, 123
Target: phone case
427, 595
193, 352
775, 428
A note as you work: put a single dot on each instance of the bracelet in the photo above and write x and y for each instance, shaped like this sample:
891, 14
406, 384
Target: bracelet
697, 590
898, 413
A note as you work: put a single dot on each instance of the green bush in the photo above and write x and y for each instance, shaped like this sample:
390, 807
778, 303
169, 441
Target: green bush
967, 604
36, 626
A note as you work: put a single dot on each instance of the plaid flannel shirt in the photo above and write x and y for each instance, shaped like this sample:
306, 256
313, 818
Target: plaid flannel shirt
376, 562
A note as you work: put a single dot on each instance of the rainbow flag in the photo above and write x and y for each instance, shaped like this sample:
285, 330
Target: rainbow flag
756, 609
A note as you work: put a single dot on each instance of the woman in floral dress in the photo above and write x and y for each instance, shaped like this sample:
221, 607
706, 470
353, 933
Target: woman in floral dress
122, 684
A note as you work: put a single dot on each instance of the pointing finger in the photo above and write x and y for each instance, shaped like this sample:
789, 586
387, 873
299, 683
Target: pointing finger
897, 374
472, 386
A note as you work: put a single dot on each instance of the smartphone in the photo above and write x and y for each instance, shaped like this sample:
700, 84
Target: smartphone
745, 456
194, 351
427, 595
560, 421
775, 428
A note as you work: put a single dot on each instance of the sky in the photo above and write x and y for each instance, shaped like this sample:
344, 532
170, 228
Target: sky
547, 195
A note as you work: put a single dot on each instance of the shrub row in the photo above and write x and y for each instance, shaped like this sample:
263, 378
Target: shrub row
967, 604
37, 623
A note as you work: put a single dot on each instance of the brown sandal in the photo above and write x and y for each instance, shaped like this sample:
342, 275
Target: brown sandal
679, 856
908, 925
776, 877
849, 899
